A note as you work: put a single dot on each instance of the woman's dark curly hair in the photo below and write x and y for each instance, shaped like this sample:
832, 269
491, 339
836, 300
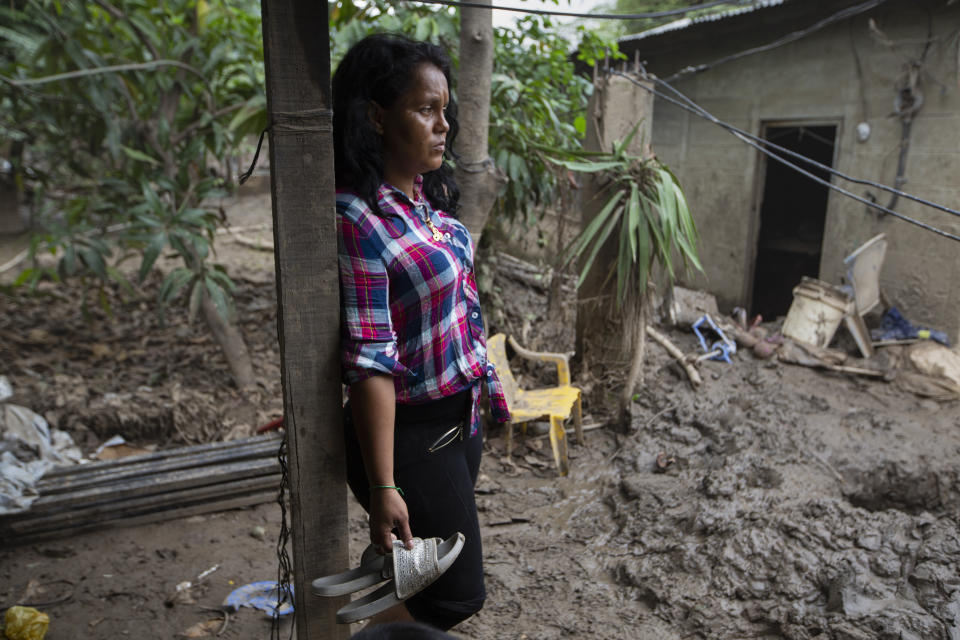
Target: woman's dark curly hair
380, 68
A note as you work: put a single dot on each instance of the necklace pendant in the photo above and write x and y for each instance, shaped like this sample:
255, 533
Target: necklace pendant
437, 236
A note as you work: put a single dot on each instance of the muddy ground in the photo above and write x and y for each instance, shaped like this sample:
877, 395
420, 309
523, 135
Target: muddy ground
795, 503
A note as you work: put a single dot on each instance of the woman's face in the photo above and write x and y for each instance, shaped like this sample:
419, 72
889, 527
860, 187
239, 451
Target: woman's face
414, 129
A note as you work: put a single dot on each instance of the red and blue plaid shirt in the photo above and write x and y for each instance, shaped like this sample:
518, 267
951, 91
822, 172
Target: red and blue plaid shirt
409, 304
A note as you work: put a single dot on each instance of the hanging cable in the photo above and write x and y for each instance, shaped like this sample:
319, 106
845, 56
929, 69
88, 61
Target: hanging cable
594, 16
849, 12
732, 129
749, 139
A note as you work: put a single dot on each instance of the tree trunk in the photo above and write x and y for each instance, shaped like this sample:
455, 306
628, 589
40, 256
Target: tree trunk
634, 319
231, 341
476, 174
609, 341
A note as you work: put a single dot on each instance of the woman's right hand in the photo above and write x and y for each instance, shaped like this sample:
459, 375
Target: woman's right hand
388, 511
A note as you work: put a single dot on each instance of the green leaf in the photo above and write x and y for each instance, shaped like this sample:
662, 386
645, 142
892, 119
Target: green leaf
644, 249
598, 243
139, 155
94, 261
219, 297
624, 257
150, 254
196, 297
580, 242
119, 278
580, 124
588, 166
619, 148
172, 284
633, 216
218, 274
68, 262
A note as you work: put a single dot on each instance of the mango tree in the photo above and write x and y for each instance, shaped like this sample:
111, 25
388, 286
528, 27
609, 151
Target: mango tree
126, 114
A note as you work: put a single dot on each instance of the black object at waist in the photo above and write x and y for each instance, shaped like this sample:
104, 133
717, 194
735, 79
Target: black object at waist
449, 408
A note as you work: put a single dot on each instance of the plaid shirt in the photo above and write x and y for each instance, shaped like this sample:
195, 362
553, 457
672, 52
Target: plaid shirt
409, 305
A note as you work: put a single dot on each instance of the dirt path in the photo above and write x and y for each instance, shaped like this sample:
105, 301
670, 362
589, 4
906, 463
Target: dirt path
798, 505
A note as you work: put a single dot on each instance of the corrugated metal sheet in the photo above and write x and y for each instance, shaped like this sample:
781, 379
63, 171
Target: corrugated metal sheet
677, 25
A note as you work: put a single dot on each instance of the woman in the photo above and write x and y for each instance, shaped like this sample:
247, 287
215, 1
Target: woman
413, 348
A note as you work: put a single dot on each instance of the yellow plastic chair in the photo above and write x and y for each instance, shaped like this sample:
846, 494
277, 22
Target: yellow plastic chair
556, 403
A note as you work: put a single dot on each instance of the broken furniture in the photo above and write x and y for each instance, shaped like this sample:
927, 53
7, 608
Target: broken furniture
818, 307
557, 403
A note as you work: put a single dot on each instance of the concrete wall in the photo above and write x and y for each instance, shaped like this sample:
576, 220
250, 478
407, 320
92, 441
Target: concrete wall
814, 80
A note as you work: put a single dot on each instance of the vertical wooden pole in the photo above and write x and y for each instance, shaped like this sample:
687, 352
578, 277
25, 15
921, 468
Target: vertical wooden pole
297, 56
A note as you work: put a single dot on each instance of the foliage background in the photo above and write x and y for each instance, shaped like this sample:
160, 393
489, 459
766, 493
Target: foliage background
121, 119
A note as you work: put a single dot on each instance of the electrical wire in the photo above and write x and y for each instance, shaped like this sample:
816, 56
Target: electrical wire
760, 147
284, 566
595, 16
732, 129
849, 12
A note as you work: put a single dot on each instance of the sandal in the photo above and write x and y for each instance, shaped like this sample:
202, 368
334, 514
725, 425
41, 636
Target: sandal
407, 572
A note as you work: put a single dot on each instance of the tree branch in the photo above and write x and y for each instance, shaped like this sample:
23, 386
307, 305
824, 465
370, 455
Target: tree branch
174, 140
133, 66
120, 15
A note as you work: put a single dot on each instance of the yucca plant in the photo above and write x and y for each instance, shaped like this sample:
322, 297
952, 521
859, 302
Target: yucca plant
645, 206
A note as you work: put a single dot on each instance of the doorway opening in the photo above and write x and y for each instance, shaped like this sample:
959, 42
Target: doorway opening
793, 211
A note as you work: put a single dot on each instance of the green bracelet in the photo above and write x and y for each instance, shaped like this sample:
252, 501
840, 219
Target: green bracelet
388, 486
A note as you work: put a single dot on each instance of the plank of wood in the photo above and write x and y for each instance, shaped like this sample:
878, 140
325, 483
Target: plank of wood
147, 518
162, 482
136, 505
178, 452
110, 474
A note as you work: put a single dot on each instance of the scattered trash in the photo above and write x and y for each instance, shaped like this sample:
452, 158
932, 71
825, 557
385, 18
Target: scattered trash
116, 447
893, 326
25, 623
816, 312
202, 629
258, 532
767, 346
28, 449
936, 361
183, 591
684, 306
262, 595
664, 461
719, 350
204, 574
181, 595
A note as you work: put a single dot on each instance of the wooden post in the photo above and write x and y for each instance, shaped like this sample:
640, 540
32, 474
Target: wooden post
297, 56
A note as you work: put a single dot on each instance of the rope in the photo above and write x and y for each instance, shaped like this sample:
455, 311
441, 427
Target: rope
597, 16
291, 123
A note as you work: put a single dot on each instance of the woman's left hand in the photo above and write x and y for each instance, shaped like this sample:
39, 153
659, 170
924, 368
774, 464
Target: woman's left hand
388, 511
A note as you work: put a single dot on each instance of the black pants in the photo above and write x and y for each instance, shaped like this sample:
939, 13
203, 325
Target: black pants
438, 489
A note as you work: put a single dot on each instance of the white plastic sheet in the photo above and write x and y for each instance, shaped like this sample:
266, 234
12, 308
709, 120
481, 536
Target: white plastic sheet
28, 449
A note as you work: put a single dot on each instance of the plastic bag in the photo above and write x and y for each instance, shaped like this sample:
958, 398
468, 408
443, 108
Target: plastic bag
25, 623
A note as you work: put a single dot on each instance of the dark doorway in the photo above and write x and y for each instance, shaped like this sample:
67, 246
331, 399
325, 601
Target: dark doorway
792, 214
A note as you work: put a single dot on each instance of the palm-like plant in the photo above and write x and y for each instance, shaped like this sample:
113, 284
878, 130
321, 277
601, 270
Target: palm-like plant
645, 206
